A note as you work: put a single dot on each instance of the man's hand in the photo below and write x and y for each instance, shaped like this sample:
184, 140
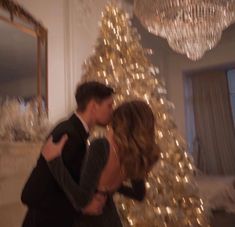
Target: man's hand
95, 207
52, 150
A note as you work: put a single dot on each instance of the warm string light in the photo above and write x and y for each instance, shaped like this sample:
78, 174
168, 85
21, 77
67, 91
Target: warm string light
121, 62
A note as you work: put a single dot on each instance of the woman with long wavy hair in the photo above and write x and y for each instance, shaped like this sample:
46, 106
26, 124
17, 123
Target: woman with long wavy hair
127, 152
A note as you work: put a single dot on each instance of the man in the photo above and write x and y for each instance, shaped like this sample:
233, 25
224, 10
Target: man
47, 204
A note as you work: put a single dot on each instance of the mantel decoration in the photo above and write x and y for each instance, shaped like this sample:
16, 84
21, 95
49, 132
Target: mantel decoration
21, 121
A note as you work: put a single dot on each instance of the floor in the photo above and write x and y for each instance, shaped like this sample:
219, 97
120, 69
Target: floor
11, 216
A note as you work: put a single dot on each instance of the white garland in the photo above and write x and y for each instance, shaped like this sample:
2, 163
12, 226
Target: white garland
20, 121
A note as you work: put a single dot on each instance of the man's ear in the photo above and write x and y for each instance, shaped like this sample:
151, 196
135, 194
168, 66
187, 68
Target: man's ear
92, 105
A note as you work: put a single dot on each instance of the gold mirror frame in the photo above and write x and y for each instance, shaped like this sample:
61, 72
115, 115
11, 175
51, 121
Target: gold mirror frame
38, 31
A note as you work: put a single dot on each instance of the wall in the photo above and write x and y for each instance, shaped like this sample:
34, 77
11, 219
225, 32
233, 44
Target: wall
82, 19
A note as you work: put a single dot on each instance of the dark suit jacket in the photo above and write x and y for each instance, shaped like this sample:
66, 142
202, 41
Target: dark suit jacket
47, 204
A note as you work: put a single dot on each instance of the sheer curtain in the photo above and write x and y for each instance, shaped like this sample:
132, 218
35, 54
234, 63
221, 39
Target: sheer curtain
213, 123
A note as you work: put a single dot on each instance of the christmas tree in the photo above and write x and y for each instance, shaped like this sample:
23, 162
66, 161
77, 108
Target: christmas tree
120, 61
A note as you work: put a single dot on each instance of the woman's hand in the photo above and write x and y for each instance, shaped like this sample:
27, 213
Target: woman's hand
95, 207
52, 150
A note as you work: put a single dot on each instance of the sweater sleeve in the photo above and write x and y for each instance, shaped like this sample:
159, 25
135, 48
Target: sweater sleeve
135, 191
81, 194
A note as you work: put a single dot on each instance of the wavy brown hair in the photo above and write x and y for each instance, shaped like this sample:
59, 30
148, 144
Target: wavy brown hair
134, 134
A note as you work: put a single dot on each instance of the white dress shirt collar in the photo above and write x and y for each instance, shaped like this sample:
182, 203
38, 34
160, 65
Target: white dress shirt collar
83, 122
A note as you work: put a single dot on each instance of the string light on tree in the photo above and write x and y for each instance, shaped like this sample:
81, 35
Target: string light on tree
120, 61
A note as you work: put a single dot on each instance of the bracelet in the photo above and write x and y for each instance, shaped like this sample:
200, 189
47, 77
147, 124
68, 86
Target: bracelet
103, 193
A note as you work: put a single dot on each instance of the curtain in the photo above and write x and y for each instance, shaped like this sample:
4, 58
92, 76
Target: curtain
214, 127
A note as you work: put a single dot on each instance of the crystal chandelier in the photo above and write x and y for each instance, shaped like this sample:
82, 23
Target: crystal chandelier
191, 27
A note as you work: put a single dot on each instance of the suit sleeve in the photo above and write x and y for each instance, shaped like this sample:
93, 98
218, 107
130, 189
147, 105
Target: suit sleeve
81, 194
136, 191
40, 178
34, 188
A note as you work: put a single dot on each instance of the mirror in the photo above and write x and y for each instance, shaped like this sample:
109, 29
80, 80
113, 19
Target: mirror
23, 56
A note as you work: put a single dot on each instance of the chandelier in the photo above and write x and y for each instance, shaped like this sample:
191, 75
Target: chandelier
191, 27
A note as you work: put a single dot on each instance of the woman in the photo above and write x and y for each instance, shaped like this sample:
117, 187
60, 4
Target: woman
127, 152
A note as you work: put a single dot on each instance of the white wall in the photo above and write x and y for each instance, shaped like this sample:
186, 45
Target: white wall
51, 14
82, 18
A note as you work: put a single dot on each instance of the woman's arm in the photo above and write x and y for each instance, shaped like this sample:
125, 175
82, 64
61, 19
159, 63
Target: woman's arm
80, 195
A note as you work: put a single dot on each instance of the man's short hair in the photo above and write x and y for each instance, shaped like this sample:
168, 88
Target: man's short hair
87, 91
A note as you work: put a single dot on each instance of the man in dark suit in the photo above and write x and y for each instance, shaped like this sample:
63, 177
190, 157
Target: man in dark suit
47, 204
